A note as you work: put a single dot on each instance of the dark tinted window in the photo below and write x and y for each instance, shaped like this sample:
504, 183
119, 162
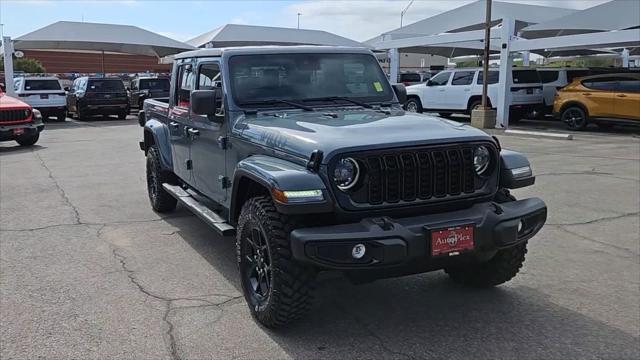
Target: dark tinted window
549, 76
409, 77
608, 84
494, 77
105, 85
572, 74
37, 85
440, 79
525, 76
629, 85
154, 84
462, 77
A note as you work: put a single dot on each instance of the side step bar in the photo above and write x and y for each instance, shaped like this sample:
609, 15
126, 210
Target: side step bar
211, 218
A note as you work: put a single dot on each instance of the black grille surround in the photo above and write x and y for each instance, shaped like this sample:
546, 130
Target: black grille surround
416, 175
14, 116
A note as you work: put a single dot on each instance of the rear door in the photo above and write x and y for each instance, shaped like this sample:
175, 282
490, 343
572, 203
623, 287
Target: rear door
180, 122
598, 96
627, 99
208, 141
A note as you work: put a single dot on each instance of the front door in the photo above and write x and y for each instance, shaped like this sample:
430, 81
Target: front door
208, 144
180, 122
435, 91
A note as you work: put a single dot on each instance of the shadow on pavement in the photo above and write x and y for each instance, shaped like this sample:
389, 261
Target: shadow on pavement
17, 149
424, 316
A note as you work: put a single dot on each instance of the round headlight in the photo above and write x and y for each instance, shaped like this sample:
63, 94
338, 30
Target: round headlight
481, 159
346, 173
27, 112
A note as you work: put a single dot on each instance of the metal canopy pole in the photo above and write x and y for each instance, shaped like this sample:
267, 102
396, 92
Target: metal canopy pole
7, 48
485, 61
103, 73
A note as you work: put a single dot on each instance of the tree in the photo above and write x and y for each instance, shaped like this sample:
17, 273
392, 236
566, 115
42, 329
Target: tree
31, 66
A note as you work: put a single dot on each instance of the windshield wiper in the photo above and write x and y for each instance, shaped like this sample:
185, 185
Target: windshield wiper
334, 98
278, 101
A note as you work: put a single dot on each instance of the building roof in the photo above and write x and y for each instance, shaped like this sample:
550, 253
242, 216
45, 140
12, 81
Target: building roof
612, 15
247, 35
126, 39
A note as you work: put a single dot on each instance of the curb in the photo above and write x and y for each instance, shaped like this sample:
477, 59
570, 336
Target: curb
557, 136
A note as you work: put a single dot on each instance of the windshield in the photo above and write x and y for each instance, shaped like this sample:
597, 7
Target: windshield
154, 84
36, 85
307, 77
106, 85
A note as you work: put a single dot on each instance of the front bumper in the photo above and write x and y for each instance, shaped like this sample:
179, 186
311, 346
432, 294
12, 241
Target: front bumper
8, 132
394, 242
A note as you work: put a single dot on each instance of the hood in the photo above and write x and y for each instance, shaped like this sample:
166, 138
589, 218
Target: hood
301, 133
8, 102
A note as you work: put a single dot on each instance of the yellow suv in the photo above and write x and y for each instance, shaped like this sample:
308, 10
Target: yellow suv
602, 99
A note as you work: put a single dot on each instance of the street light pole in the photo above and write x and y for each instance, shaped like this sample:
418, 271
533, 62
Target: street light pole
299, 20
405, 11
485, 61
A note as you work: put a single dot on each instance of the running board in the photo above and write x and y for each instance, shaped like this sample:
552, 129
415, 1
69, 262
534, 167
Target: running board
207, 215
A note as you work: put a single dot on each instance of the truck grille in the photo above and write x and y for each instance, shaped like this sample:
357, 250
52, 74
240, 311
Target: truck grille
14, 116
416, 175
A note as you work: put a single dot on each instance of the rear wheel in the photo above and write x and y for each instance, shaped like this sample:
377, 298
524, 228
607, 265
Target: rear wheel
473, 105
502, 267
575, 118
161, 200
413, 105
28, 140
122, 116
277, 289
62, 116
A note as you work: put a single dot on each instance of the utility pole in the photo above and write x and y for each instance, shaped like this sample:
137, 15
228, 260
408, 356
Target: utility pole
299, 20
405, 11
485, 61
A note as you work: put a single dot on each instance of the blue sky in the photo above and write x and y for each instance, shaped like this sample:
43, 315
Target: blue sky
182, 20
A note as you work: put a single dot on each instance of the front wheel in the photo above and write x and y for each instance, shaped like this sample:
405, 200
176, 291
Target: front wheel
161, 200
413, 105
28, 140
277, 289
575, 118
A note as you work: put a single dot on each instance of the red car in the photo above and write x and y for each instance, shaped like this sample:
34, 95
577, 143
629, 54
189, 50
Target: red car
18, 121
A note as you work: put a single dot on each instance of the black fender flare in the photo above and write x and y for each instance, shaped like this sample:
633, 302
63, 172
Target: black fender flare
510, 160
274, 173
157, 133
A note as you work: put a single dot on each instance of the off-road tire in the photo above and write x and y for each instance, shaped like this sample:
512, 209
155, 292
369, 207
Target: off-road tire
502, 267
289, 294
413, 104
28, 140
61, 116
161, 200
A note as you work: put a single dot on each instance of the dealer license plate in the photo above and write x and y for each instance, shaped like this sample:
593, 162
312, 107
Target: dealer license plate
44, 96
452, 240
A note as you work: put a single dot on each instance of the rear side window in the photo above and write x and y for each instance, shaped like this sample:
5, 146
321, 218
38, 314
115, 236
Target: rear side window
409, 77
154, 84
549, 76
39, 85
185, 85
572, 74
494, 77
105, 85
525, 77
462, 78
606, 84
440, 79
629, 85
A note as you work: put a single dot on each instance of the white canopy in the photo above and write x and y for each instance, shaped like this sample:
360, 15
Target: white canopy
248, 35
127, 39
613, 15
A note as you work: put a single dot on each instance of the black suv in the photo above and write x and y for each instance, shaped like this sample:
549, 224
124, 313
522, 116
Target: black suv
91, 96
306, 156
147, 88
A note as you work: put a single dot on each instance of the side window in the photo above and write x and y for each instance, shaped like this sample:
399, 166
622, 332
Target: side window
572, 74
185, 85
549, 76
494, 77
462, 78
440, 79
605, 84
629, 85
209, 77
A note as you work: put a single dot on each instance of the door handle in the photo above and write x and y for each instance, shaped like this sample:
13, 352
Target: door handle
194, 133
621, 95
174, 125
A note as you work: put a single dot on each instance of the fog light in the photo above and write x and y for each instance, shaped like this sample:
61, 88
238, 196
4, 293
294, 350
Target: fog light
520, 226
358, 251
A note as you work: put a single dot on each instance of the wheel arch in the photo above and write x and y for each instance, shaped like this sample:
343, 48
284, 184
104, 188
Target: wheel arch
475, 98
156, 133
575, 103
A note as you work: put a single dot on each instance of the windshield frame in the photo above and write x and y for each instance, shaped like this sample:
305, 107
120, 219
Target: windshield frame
238, 103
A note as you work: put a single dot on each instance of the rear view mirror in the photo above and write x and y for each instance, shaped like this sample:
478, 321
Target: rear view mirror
203, 102
401, 93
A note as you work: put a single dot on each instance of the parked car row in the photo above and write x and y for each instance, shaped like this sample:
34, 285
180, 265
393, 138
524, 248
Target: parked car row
88, 96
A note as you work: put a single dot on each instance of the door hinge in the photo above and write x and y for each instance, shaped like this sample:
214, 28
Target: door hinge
189, 164
223, 142
224, 181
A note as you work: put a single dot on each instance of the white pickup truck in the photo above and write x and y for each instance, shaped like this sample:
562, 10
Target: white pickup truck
460, 91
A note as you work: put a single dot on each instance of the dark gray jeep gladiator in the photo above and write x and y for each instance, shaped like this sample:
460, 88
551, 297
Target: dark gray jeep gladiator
306, 156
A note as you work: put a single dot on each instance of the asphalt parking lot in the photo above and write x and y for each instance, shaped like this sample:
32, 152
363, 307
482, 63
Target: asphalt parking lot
88, 270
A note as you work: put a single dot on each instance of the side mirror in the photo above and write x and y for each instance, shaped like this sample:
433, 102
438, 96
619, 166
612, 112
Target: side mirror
204, 102
401, 93
66, 88
429, 83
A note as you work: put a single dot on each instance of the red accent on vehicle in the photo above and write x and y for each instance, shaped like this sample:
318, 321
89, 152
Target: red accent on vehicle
8, 103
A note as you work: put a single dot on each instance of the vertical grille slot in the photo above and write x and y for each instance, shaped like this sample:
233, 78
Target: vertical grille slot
376, 181
468, 183
409, 177
455, 172
440, 173
425, 174
393, 178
